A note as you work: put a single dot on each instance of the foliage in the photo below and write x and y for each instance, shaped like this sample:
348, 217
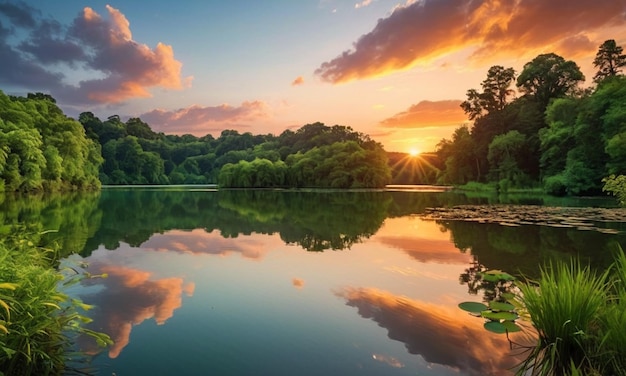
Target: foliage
343, 158
567, 139
609, 60
616, 185
40, 148
578, 315
549, 76
495, 94
37, 320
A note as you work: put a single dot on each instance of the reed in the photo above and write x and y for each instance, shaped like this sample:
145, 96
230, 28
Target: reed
36, 318
580, 319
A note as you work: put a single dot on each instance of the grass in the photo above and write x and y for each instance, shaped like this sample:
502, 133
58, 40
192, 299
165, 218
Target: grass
580, 319
37, 320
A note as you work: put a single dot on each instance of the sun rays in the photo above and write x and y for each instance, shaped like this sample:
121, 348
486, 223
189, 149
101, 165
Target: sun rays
414, 168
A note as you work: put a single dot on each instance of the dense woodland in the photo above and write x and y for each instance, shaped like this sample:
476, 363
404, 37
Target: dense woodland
549, 133
553, 134
43, 149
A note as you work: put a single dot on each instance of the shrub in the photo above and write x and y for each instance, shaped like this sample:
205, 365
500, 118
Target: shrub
555, 185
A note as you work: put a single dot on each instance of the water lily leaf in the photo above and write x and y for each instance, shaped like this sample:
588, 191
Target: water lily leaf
499, 315
473, 307
511, 327
502, 327
498, 306
495, 327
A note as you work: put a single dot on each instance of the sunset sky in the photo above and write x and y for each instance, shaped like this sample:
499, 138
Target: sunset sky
396, 70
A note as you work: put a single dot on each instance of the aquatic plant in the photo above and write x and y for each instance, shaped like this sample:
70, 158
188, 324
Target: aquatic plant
579, 316
564, 306
37, 319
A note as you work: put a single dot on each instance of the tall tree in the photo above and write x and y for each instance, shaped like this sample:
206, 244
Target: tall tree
494, 97
549, 76
609, 60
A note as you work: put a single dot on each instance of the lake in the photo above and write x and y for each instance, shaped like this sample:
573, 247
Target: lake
258, 282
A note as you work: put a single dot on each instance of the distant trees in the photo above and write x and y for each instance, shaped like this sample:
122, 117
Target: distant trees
315, 155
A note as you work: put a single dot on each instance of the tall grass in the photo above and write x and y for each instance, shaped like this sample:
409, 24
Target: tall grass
580, 318
36, 318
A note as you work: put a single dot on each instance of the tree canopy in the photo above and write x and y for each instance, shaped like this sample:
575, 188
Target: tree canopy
554, 135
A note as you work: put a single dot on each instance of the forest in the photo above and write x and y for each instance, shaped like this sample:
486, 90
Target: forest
554, 135
548, 132
41, 148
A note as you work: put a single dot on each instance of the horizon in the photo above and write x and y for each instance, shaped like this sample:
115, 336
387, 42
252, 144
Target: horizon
394, 70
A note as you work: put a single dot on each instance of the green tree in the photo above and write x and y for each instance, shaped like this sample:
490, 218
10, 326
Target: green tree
504, 156
495, 95
549, 76
609, 60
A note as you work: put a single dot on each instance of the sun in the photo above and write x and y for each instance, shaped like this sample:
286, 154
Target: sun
414, 152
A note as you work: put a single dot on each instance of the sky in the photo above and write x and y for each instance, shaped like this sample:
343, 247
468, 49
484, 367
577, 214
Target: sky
394, 70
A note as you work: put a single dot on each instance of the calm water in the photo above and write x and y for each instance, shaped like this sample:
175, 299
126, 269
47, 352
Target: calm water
205, 282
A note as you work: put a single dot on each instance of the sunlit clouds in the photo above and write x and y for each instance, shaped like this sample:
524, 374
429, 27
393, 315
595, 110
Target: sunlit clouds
428, 114
425, 30
298, 81
40, 52
201, 120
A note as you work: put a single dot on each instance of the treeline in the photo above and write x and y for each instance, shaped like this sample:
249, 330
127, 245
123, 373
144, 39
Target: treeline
315, 155
42, 149
553, 135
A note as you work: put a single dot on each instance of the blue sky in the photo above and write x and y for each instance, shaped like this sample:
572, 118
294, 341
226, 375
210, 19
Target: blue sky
396, 70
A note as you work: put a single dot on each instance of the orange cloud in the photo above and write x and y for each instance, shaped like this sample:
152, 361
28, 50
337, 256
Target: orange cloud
428, 114
441, 335
424, 30
298, 81
199, 120
131, 297
298, 283
130, 68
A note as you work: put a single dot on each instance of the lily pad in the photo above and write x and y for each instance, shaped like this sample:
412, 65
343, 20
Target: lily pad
473, 307
499, 315
499, 306
502, 327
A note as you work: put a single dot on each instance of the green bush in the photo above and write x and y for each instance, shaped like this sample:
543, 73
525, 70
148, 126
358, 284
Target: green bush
555, 185
616, 185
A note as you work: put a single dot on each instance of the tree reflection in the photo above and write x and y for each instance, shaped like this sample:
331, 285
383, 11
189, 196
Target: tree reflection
67, 220
316, 220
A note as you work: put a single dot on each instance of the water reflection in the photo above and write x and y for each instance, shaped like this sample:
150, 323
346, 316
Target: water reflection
439, 334
127, 297
417, 270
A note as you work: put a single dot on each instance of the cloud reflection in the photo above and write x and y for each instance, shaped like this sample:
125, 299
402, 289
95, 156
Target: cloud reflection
424, 250
441, 335
200, 242
130, 297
